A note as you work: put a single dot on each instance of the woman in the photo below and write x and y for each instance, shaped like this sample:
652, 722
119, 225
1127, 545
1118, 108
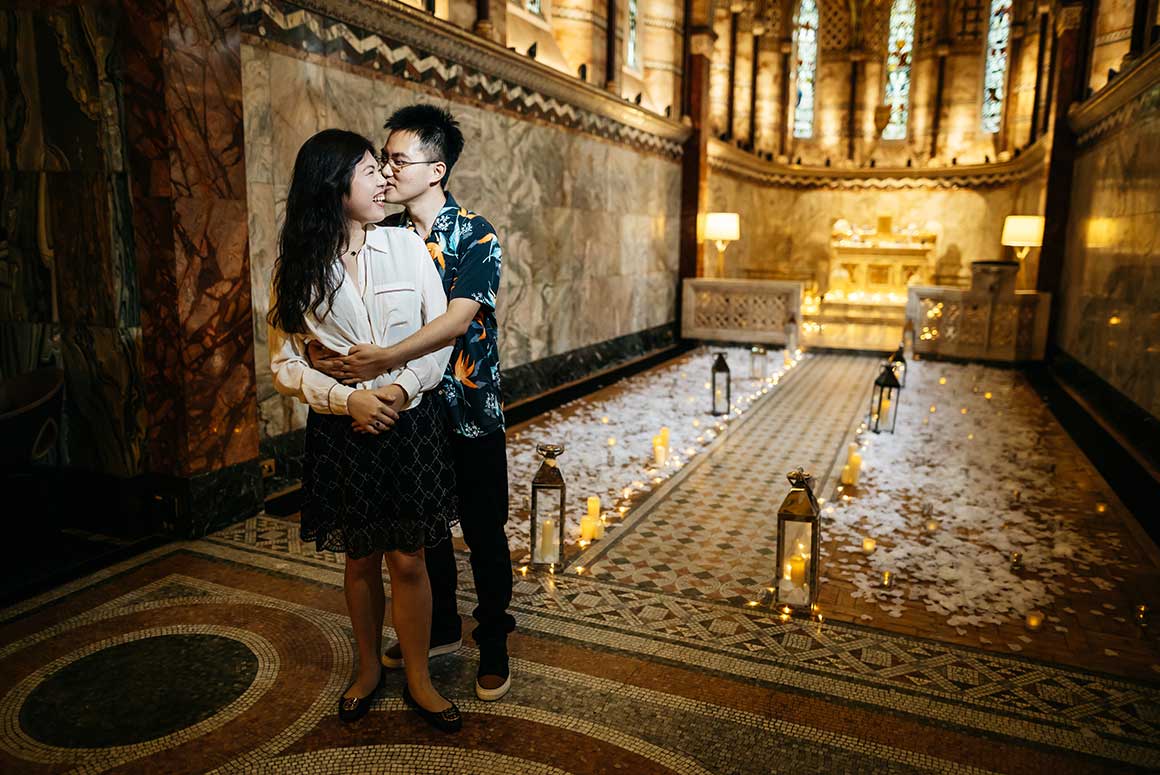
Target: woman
376, 474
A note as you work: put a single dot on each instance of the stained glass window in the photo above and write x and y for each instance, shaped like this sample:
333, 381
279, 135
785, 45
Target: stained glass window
805, 41
995, 74
632, 50
900, 44
534, 6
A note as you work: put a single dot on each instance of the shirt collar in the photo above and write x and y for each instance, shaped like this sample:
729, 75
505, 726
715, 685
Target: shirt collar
450, 207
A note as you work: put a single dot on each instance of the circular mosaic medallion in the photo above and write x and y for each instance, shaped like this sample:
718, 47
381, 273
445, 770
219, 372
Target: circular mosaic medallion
141, 690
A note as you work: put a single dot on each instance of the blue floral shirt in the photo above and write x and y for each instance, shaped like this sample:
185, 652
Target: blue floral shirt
466, 251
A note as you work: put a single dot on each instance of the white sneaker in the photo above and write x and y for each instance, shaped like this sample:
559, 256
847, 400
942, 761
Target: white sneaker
491, 695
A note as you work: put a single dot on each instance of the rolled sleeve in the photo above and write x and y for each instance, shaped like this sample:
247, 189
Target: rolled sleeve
294, 376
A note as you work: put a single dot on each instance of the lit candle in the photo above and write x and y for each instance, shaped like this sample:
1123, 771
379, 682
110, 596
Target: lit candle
797, 570
660, 451
931, 525
869, 545
887, 578
547, 540
587, 528
599, 529
665, 436
847, 477
854, 461
604, 420
1034, 620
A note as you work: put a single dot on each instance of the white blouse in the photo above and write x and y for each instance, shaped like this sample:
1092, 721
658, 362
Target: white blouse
401, 292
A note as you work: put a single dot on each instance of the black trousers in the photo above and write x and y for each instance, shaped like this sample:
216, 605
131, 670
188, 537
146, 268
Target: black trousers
482, 486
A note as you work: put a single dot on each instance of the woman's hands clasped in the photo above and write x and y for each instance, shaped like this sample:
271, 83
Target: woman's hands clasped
375, 411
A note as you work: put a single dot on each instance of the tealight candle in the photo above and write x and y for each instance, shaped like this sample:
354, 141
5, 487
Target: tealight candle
1034, 620
869, 545
931, 525
604, 420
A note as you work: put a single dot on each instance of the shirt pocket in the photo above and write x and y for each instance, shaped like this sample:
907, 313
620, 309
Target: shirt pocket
397, 305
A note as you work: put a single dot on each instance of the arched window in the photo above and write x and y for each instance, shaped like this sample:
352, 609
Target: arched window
633, 54
995, 74
805, 43
900, 44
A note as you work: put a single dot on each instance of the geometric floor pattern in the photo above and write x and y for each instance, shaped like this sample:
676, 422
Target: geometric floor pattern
690, 542
249, 647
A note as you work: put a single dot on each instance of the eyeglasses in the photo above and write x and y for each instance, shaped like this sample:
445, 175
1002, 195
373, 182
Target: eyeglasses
398, 165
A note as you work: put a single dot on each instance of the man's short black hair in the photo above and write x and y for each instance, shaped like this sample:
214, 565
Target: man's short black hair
437, 130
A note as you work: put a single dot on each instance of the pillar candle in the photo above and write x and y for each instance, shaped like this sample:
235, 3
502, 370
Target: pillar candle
599, 529
594, 506
660, 451
547, 540
847, 475
854, 460
797, 570
588, 527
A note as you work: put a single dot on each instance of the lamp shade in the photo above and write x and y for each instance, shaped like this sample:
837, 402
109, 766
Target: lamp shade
725, 227
1023, 231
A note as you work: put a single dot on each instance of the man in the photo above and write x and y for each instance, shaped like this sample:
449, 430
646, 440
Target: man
423, 144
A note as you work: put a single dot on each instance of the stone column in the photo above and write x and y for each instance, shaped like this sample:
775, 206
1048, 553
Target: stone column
1040, 59
753, 92
942, 51
785, 49
1014, 55
731, 97
185, 152
694, 162
1069, 66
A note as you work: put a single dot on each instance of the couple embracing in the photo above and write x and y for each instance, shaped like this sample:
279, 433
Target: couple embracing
386, 329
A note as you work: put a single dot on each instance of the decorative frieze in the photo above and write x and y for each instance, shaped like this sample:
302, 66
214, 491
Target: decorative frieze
733, 161
396, 41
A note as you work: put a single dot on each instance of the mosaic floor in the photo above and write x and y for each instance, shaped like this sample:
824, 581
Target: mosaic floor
227, 655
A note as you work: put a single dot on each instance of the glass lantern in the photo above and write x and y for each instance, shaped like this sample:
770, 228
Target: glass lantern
547, 533
722, 391
791, 335
798, 542
758, 362
884, 401
898, 363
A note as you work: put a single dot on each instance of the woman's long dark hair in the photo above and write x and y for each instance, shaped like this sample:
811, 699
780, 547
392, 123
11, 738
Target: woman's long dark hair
314, 234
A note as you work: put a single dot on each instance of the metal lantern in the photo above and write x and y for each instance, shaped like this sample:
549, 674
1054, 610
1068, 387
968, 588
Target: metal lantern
798, 540
898, 363
758, 362
720, 384
884, 401
791, 334
547, 533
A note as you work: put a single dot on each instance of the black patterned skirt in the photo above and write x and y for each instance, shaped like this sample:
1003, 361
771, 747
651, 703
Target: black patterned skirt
366, 493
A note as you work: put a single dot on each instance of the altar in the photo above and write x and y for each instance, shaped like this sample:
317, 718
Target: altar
863, 303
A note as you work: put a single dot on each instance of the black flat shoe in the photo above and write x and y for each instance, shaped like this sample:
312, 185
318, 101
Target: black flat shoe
448, 720
351, 709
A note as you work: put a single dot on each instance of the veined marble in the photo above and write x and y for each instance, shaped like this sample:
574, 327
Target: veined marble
1109, 301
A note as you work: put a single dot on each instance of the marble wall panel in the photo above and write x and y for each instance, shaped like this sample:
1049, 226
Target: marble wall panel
216, 318
105, 416
258, 115
27, 288
1110, 291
